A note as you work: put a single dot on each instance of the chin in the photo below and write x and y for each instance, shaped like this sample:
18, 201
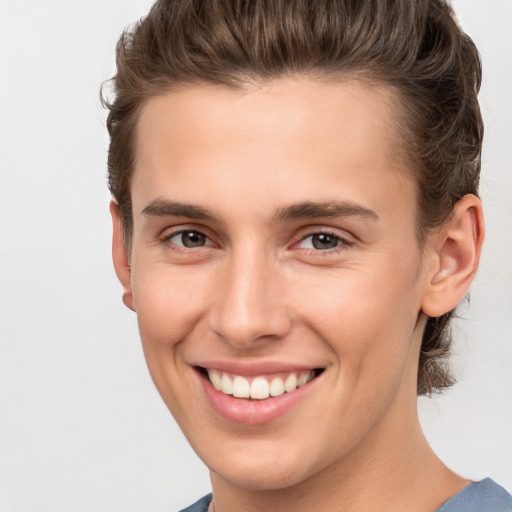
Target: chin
256, 478
263, 468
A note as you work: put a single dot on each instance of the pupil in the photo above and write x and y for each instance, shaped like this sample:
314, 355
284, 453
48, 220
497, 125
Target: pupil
324, 241
192, 239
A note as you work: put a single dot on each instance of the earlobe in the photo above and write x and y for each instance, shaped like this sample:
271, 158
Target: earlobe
456, 248
119, 256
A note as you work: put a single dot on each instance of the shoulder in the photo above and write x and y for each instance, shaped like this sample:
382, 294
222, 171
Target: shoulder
199, 506
484, 496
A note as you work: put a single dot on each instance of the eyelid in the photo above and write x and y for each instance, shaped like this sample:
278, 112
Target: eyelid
345, 239
165, 236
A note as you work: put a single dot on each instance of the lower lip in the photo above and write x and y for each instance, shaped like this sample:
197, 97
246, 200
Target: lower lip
254, 412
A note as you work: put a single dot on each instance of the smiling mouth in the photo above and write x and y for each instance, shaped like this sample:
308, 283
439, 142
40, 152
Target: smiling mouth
258, 387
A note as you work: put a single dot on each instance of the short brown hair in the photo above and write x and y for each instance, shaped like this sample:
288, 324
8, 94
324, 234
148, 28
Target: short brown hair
416, 46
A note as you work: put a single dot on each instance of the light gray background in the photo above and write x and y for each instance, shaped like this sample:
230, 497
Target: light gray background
81, 426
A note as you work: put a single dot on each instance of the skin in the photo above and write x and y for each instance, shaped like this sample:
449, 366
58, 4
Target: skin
259, 290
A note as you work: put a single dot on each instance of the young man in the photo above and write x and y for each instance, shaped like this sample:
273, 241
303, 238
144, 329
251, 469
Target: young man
295, 219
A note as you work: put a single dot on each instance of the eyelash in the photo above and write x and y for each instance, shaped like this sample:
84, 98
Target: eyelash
342, 242
169, 235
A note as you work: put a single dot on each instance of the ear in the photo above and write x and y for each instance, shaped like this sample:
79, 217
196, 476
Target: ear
121, 262
455, 251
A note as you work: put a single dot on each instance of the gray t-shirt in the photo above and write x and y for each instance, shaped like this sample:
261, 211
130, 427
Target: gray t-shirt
484, 496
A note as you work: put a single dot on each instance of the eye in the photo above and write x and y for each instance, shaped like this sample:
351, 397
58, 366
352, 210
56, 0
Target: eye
321, 242
188, 238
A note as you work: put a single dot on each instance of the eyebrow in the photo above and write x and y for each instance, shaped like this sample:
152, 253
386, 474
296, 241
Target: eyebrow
311, 210
303, 210
165, 208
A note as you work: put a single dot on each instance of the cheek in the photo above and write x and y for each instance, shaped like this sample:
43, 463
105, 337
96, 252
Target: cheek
358, 301
367, 317
168, 308
369, 329
168, 304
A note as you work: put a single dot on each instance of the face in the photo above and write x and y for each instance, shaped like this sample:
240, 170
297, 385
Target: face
276, 275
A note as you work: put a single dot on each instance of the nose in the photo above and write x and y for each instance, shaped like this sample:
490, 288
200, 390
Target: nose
249, 306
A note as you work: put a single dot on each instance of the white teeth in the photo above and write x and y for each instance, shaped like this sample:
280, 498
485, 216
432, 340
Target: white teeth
276, 387
260, 388
241, 387
227, 385
290, 384
215, 379
304, 378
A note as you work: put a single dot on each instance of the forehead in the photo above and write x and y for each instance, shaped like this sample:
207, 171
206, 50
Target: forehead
286, 141
338, 111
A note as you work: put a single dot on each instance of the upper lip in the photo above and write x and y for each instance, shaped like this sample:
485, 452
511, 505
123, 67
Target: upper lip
255, 368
